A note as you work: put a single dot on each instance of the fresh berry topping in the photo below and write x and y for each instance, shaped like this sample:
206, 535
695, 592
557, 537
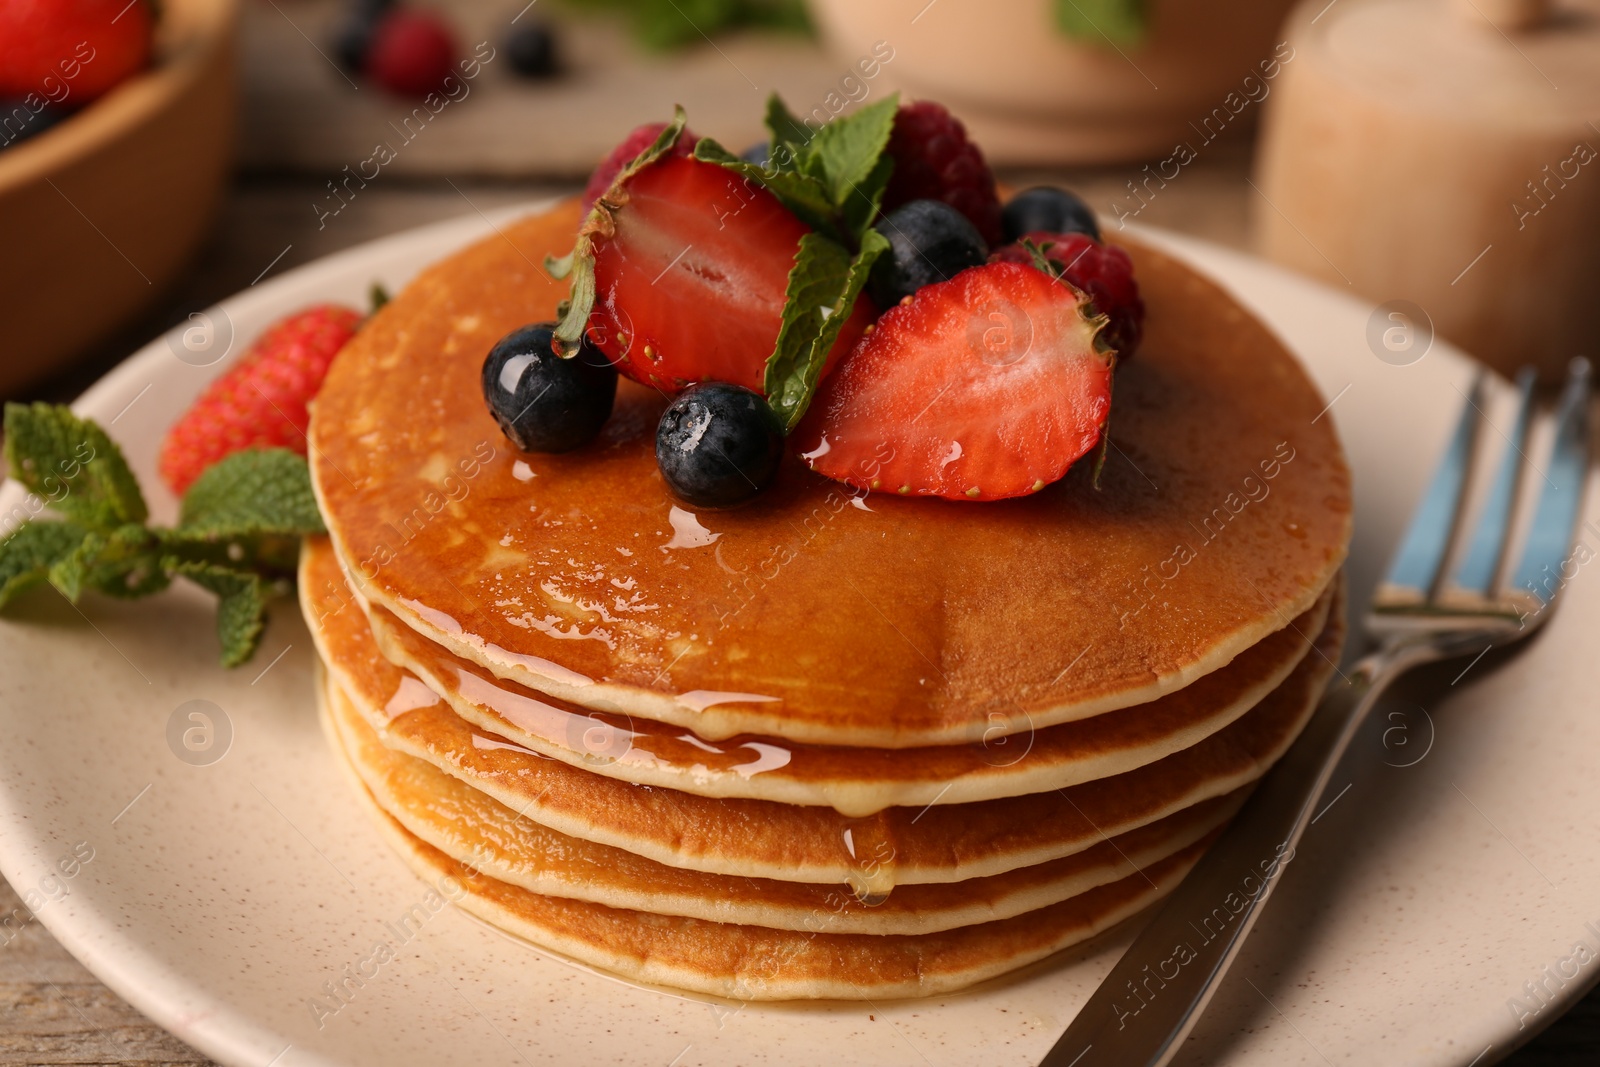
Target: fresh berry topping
412, 52
1102, 271
718, 444
641, 138
929, 241
88, 46
352, 35
1047, 208
261, 401
933, 160
691, 276
987, 386
531, 50
545, 403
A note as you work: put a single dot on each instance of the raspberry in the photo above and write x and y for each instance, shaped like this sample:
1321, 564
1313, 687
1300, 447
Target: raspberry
1103, 271
87, 45
261, 402
641, 138
933, 160
412, 52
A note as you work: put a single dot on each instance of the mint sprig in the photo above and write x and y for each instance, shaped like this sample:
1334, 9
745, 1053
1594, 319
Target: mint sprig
823, 286
236, 537
832, 177
1117, 22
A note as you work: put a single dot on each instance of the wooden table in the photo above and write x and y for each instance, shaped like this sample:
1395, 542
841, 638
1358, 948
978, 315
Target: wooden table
52, 1010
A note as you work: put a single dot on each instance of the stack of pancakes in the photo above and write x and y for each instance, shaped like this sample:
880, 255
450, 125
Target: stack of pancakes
822, 745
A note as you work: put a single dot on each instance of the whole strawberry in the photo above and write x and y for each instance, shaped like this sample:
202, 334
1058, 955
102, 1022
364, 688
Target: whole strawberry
641, 138
261, 402
87, 45
1102, 271
933, 160
411, 53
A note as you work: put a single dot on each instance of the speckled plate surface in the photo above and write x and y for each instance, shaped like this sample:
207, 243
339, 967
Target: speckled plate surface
231, 887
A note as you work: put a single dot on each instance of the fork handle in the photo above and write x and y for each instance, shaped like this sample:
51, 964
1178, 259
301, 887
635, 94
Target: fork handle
1152, 998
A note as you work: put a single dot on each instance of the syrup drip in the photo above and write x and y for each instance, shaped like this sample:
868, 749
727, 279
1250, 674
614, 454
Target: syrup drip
871, 848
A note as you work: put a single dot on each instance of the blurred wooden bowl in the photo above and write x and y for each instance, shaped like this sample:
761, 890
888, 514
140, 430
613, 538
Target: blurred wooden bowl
101, 211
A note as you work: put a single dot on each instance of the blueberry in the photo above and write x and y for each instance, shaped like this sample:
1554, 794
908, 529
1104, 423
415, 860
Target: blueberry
929, 241
718, 444
545, 403
1047, 208
757, 153
531, 48
352, 37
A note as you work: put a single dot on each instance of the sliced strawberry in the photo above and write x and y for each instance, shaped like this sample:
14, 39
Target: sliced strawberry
985, 386
640, 138
1103, 271
690, 280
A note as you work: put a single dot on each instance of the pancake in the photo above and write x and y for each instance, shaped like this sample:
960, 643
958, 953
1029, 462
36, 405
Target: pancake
884, 622
855, 781
489, 837
759, 963
786, 842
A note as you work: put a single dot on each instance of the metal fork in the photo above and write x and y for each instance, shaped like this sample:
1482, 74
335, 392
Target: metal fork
1151, 1000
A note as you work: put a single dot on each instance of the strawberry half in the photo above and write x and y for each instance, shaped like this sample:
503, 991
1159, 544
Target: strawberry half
1104, 272
691, 270
638, 139
986, 386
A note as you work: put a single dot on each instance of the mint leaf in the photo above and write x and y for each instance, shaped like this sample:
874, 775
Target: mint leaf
823, 286
579, 263
258, 491
241, 606
785, 129
667, 24
847, 150
1118, 22
124, 563
817, 278
72, 464
806, 196
28, 554
241, 521
832, 177
862, 205
873, 245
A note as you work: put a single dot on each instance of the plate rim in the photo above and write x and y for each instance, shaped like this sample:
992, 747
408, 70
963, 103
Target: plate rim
215, 1025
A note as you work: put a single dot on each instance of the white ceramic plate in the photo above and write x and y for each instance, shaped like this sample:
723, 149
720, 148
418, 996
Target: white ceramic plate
222, 898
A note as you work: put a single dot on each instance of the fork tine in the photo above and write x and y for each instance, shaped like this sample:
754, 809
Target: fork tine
1414, 571
1556, 517
1479, 569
